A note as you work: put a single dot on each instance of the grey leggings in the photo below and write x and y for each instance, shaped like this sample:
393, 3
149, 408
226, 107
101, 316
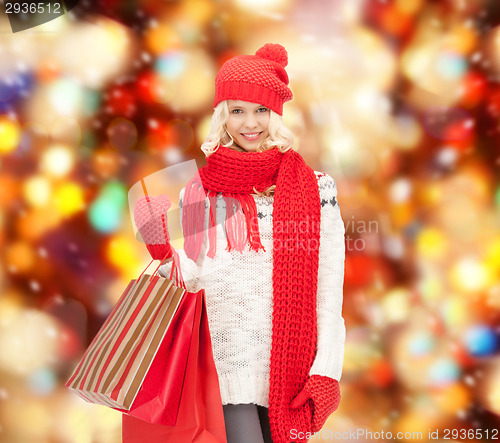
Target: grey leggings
247, 423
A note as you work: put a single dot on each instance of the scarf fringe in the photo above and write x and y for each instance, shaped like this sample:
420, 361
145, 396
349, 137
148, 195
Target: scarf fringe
212, 223
250, 210
234, 224
241, 224
193, 219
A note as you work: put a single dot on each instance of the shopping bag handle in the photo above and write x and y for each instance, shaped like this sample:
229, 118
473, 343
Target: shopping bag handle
175, 268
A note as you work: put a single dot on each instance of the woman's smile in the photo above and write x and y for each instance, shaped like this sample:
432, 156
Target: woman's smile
251, 136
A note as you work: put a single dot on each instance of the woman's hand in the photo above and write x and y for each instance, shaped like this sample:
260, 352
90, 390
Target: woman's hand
150, 214
325, 395
167, 260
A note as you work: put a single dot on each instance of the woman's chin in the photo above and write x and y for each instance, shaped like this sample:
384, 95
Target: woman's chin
249, 147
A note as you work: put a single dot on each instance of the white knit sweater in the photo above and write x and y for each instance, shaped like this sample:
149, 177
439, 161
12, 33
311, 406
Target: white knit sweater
239, 299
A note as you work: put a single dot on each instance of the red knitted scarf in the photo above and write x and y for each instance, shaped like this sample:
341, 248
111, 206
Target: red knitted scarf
296, 221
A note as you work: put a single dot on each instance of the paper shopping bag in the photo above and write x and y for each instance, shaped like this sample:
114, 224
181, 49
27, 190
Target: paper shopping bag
200, 416
120, 369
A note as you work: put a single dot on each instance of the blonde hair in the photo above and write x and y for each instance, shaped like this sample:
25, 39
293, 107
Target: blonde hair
279, 136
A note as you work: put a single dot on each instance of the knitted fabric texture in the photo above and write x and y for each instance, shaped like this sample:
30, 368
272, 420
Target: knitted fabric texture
295, 269
150, 215
259, 78
324, 392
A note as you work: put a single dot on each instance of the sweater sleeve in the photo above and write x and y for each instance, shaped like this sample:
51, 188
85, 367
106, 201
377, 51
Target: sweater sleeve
329, 357
189, 268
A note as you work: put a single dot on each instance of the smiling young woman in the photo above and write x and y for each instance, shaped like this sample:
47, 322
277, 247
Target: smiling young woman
275, 309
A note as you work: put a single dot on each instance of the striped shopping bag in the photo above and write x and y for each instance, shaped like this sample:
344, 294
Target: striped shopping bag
125, 366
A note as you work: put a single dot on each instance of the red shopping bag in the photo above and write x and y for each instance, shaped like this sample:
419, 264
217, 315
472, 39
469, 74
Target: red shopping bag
200, 417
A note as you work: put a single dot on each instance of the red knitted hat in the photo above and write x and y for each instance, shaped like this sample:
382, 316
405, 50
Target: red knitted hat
259, 78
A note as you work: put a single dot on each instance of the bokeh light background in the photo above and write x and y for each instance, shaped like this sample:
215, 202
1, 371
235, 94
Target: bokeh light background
399, 100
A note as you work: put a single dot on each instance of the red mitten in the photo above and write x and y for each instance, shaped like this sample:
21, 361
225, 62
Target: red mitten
325, 395
150, 214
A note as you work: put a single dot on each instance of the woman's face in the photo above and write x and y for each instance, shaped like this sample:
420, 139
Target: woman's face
248, 125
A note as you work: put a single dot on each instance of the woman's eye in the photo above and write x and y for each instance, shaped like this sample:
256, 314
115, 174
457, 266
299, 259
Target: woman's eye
236, 111
262, 109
